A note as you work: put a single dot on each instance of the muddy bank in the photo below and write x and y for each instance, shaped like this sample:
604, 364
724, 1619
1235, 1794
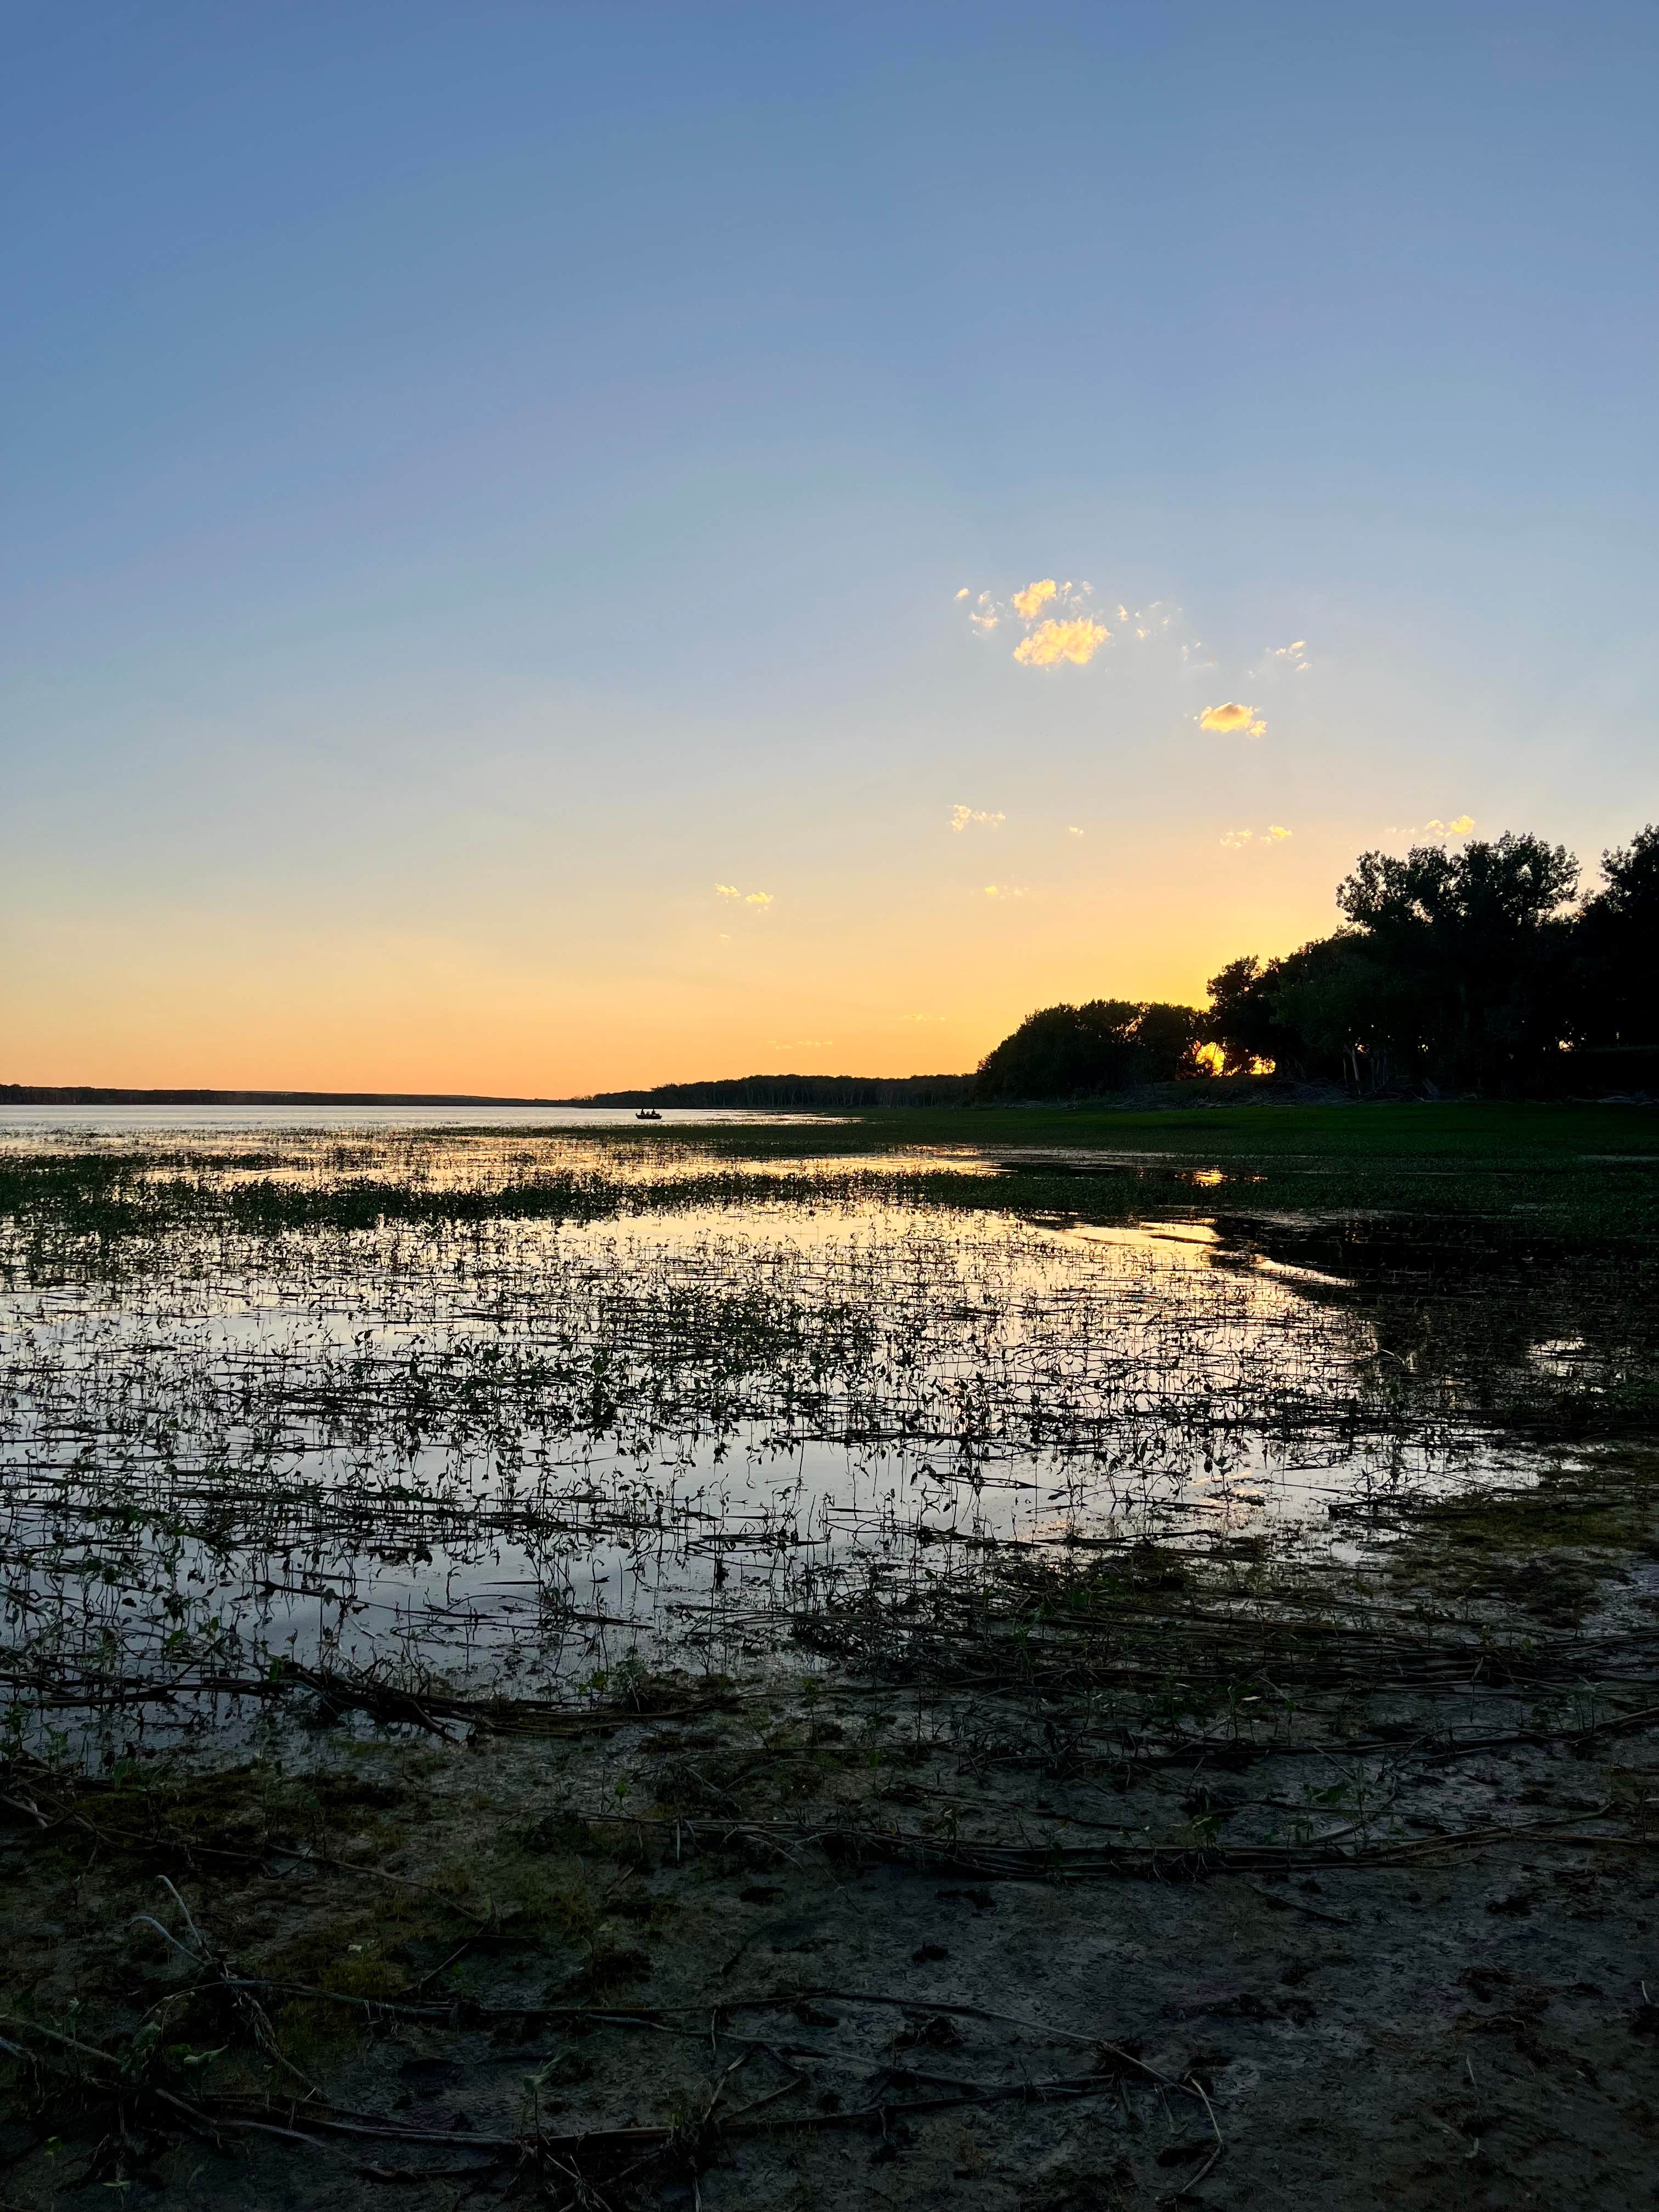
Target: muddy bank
856, 1942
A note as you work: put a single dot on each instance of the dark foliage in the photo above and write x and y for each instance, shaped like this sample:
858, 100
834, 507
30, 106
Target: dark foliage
1064, 1052
1616, 978
1452, 971
774, 1091
1462, 971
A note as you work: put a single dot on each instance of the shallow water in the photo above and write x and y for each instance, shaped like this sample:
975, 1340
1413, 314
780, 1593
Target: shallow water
502, 1447
81, 1123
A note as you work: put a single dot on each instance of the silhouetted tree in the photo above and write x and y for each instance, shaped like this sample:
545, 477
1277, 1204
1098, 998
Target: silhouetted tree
1452, 970
1474, 953
1069, 1052
1617, 948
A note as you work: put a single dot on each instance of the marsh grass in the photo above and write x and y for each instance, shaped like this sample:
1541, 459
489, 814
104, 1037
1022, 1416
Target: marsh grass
465, 1568
462, 1416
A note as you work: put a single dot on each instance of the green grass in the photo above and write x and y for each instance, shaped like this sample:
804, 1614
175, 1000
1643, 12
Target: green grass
1585, 1172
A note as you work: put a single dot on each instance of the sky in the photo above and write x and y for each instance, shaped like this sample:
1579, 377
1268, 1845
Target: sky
552, 547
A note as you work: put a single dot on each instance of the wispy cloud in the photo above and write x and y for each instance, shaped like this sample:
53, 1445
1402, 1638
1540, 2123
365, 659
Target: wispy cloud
744, 898
1459, 827
1274, 834
963, 816
1029, 604
1292, 656
1232, 718
1006, 891
1051, 642
1072, 830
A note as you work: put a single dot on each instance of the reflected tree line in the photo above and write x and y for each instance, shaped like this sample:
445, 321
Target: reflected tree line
1477, 970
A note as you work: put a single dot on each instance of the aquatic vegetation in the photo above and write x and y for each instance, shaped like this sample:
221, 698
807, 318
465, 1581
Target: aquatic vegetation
564, 1399
501, 1597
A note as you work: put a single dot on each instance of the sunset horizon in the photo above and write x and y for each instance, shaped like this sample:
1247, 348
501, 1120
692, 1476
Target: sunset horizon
575, 549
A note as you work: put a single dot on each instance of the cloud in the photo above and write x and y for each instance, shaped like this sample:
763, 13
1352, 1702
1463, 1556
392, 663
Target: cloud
1030, 603
1278, 832
1291, 656
727, 890
1051, 642
745, 898
1006, 891
1072, 830
1274, 834
965, 593
962, 815
1460, 828
1234, 838
758, 898
1232, 718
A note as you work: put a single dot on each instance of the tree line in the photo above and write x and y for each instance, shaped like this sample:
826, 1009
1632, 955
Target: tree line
1480, 969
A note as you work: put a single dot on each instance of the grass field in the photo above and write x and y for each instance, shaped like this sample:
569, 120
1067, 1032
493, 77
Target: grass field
1586, 1171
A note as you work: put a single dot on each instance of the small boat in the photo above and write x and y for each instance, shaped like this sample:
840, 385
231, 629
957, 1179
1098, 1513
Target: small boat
648, 1114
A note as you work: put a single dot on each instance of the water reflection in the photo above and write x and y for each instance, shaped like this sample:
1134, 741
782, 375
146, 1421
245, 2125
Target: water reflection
508, 1446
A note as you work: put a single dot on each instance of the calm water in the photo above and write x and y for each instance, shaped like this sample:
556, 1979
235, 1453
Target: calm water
150, 1121
503, 1444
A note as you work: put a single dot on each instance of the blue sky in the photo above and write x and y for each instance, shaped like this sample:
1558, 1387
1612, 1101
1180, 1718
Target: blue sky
482, 476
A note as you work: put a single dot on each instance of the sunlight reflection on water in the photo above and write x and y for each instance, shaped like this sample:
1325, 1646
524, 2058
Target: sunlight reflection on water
532, 1444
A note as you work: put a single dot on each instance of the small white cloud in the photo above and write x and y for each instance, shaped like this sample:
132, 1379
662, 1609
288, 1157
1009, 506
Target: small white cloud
1072, 830
1278, 832
1292, 656
1006, 891
745, 898
758, 898
962, 817
1232, 718
1236, 838
1274, 834
727, 890
965, 593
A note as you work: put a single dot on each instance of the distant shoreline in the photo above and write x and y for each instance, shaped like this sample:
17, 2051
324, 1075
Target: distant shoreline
85, 1094
762, 1092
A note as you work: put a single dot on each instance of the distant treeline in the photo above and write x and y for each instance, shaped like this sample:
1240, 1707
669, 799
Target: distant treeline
1474, 970
797, 1090
90, 1094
